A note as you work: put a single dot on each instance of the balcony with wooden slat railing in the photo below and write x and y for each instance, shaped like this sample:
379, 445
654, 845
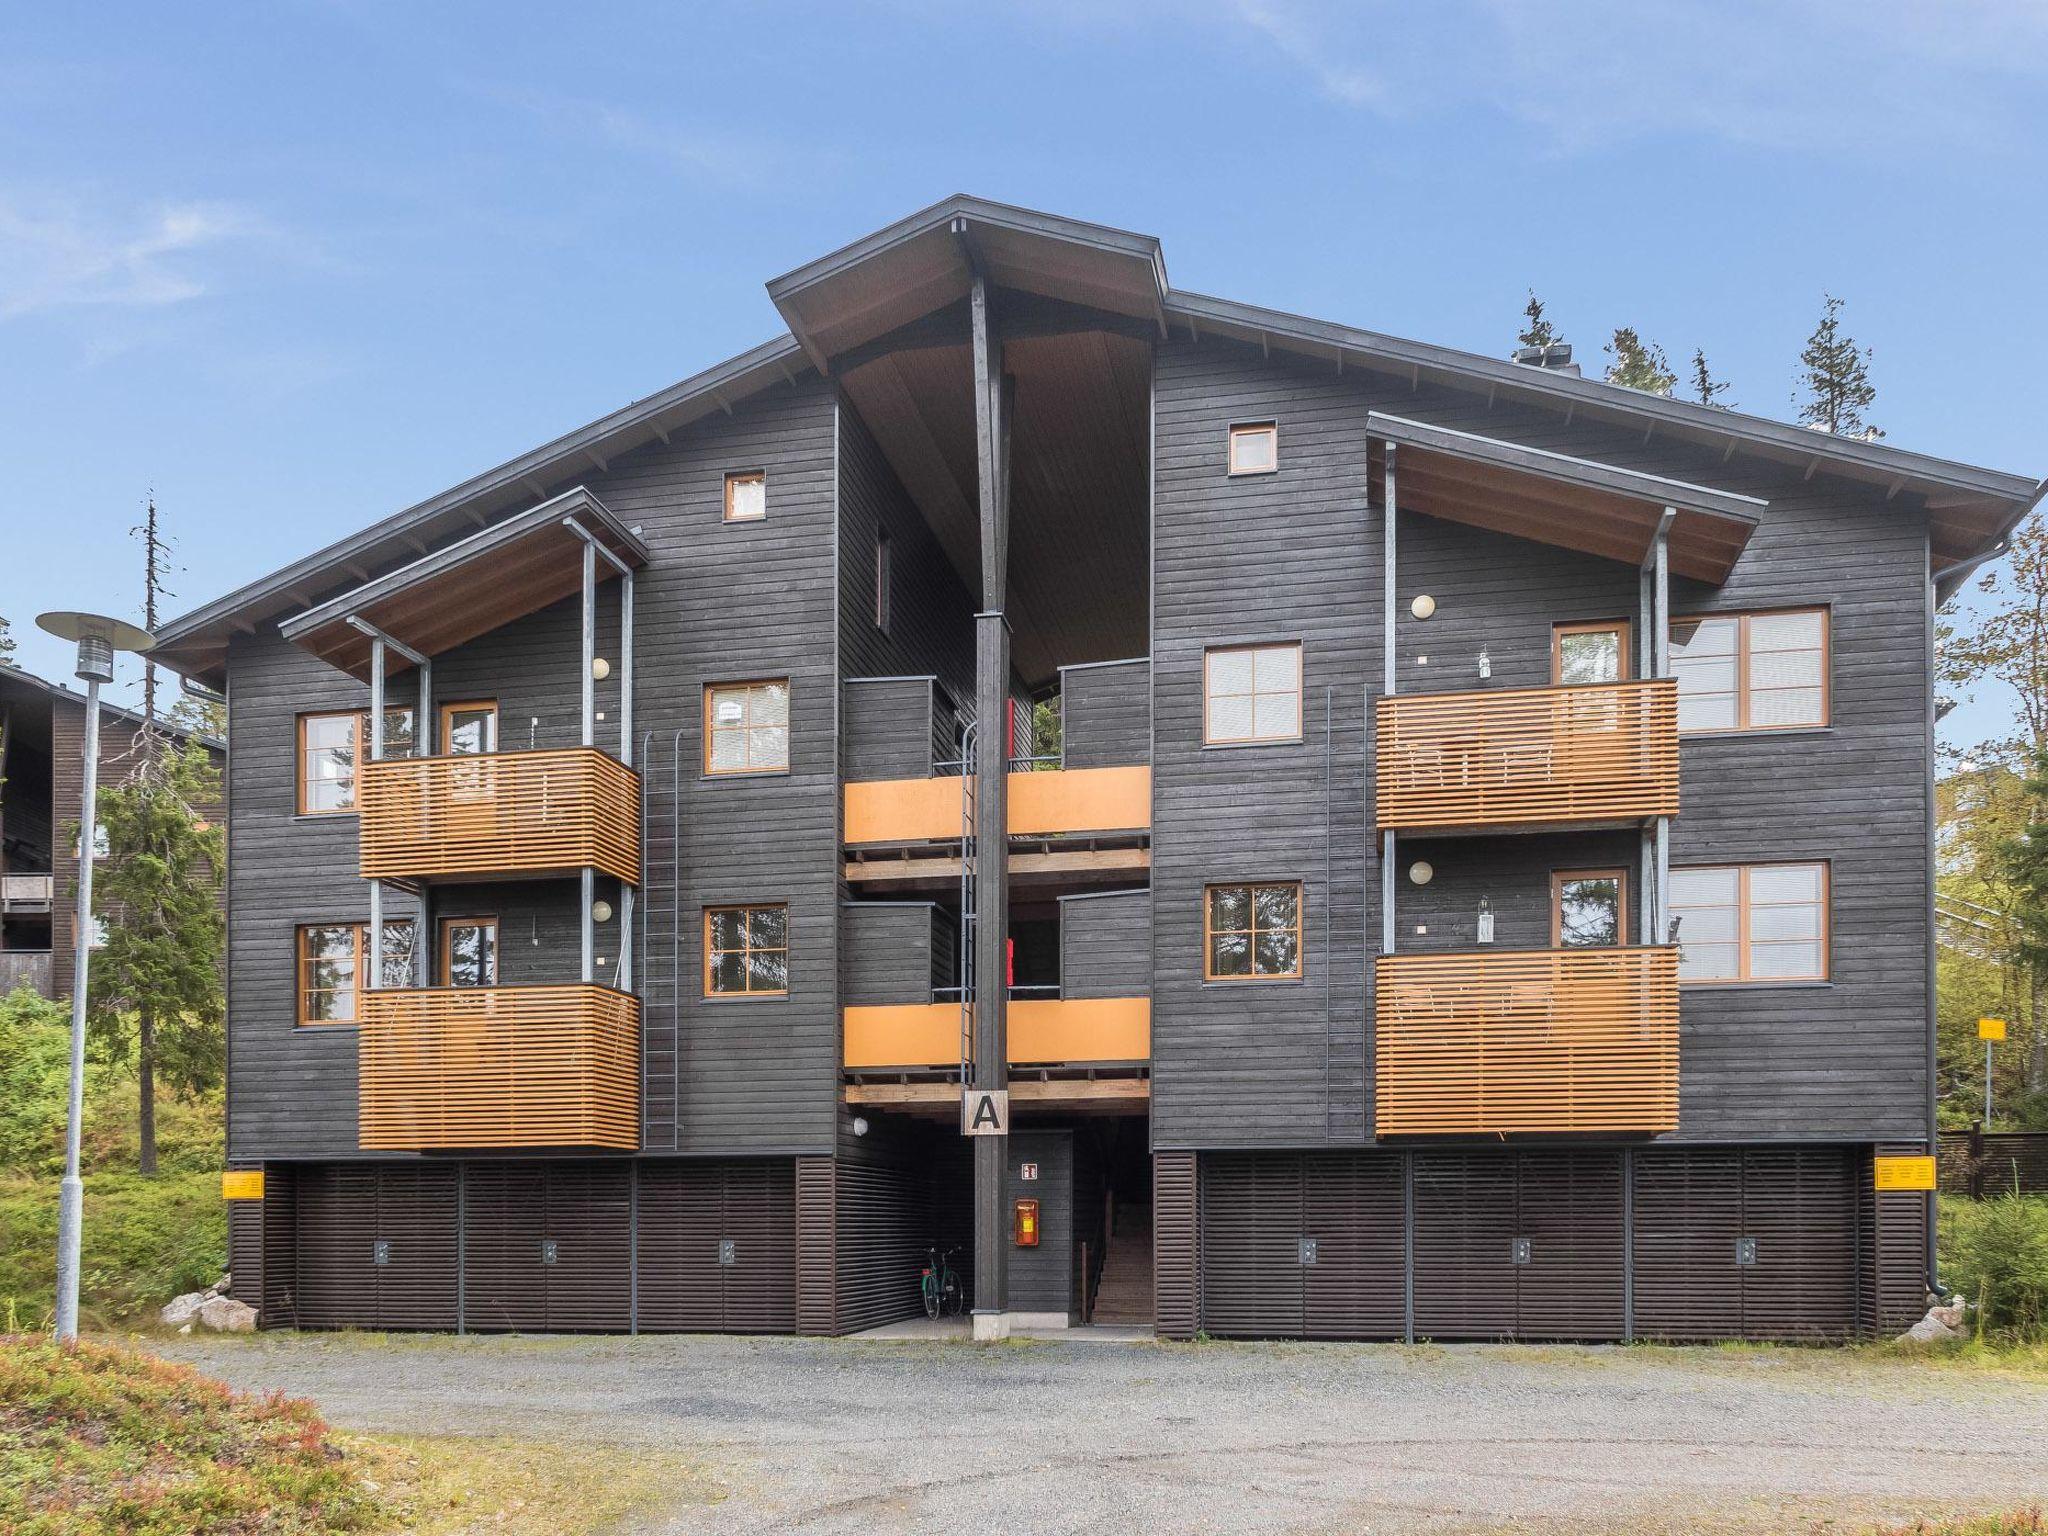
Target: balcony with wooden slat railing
499, 813
1532, 757
1547, 1040
447, 1068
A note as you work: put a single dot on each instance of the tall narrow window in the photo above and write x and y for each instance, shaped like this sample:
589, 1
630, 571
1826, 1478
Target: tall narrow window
1590, 653
1588, 908
1252, 693
1751, 922
469, 729
746, 951
332, 967
469, 951
746, 496
1252, 932
1751, 671
1254, 448
882, 580
746, 727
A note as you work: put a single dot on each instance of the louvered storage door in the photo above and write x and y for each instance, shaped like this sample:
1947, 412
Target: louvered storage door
816, 1282
504, 1284
1251, 1244
1799, 1204
760, 1223
883, 1225
280, 1246
681, 1209
589, 1287
1464, 1236
1352, 1208
416, 1221
337, 1235
1687, 1217
1892, 1239
245, 1251
1176, 1245
1571, 1212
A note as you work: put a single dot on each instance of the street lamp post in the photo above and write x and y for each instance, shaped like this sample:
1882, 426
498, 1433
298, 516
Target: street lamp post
97, 639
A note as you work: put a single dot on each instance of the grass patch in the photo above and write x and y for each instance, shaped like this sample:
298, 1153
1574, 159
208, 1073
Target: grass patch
145, 1240
444, 1485
2024, 1522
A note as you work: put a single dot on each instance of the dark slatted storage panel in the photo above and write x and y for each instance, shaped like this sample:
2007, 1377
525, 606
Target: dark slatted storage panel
1176, 1249
681, 1212
416, 1223
245, 1251
1464, 1232
1251, 1229
504, 1283
880, 1243
1687, 1217
1892, 1242
760, 1222
1570, 1210
1352, 1208
337, 1234
1799, 1203
589, 1220
817, 1277
280, 1301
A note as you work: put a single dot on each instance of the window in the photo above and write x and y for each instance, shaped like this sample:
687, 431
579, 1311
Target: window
1751, 671
1254, 448
331, 968
1252, 932
746, 496
882, 581
746, 727
1589, 653
1252, 693
96, 935
469, 729
99, 840
1752, 922
1588, 908
746, 951
469, 951
329, 747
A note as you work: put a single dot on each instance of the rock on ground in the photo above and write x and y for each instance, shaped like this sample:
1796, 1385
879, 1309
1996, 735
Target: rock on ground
223, 1314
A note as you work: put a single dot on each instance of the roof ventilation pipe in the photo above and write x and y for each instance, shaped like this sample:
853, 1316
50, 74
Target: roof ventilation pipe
1557, 358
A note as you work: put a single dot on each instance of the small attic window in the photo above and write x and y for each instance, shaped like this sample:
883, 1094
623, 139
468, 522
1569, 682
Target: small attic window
746, 496
1254, 448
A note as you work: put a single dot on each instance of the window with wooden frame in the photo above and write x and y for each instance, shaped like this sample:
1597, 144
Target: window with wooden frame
1594, 651
1752, 922
746, 726
469, 728
746, 496
329, 747
1254, 447
746, 951
1251, 693
332, 967
1751, 671
1588, 908
1252, 932
469, 951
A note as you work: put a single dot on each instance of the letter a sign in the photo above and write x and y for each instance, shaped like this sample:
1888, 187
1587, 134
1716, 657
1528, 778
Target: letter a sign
985, 1112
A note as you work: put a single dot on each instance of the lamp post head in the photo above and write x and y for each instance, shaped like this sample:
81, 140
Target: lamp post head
98, 637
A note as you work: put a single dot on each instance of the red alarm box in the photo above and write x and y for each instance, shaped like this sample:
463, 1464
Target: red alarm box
1024, 1223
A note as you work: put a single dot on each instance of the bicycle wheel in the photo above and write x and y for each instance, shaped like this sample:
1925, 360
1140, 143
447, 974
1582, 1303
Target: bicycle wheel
929, 1287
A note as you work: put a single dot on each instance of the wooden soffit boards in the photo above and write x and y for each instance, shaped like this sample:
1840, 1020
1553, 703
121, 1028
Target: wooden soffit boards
1582, 504
473, 586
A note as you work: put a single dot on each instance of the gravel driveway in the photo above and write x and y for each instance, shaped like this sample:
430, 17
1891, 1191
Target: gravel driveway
864, 1437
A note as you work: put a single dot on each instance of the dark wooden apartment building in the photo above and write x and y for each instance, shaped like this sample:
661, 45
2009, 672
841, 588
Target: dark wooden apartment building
1430, 846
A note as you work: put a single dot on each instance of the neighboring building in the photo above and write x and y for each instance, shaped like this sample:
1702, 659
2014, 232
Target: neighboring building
1360, 721
42, 767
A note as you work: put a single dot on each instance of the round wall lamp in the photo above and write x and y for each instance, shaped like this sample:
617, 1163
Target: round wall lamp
600, 668
600, 911
860, 1125
1423, 606
1421, 872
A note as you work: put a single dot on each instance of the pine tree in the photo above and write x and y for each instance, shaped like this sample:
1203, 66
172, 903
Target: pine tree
1705, 387
6, 642
1538, 332
1638, 364
1836, 378
158, 893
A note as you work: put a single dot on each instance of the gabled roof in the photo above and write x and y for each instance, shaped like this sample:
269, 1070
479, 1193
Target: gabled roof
60, 694
922, 263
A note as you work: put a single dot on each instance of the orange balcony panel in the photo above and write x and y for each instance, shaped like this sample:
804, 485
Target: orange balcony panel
1528, 756
1530, 1040
1043, 1032
1064, 801
456, 1067
904, 811
499, 813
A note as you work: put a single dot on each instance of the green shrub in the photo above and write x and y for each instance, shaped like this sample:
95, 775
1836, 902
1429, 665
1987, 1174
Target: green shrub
97, 1439
35, 1065
1996, 1253
145, 1241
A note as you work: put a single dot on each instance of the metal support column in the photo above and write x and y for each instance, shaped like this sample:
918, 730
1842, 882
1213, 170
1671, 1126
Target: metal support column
1389, 675
628, 895
1660, 663
586, 921
373, 938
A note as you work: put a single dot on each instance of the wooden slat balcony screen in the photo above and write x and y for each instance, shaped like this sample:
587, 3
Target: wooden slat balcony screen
458, 1067
1526, 1040
1051, 1031
1604, 752
499, 813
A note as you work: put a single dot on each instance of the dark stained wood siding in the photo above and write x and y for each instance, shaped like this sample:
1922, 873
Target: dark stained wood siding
1106, 944
1106, 714
1512, 875
886, 728
1042, 1278
1176, 1245
688, 1208
886, 956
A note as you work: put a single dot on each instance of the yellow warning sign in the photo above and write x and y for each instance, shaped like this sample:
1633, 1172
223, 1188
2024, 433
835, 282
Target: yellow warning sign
242, 1184
1904, 1172
1991, 1029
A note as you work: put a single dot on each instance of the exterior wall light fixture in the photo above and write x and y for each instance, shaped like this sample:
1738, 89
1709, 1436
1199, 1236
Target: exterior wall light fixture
1423, 606
1421, 872
600, 668
600, 911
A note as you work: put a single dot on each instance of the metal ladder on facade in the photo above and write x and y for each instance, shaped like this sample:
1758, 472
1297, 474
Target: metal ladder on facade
657, 950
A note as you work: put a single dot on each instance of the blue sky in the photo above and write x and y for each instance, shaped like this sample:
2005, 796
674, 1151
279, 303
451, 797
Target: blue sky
297, 265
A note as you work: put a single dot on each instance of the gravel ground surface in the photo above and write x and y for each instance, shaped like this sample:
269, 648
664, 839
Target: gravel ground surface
847, 1436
